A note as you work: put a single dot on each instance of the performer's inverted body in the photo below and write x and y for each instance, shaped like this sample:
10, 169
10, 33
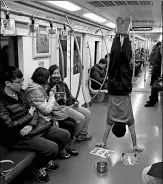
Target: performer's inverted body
120, 111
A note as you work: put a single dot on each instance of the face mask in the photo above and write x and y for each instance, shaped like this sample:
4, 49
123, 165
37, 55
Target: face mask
55, 79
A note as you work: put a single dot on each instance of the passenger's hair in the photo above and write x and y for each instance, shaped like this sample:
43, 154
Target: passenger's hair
52, 68
103, 61
158, 43
40, 76
11, 73
119, 129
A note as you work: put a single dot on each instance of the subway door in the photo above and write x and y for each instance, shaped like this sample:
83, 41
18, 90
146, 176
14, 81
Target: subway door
65, 70
75, 66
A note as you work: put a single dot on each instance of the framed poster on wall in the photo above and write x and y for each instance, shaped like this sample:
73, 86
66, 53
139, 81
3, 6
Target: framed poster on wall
41, 46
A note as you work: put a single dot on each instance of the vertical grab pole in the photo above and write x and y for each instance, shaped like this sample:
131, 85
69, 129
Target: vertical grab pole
162, 38
107, 65
133, 73
80, 65
90, 59
144, 61
62, 58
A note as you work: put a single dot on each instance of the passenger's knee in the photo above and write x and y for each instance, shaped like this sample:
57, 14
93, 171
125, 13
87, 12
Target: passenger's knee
52, 149
65, 135
82, 118
89, 114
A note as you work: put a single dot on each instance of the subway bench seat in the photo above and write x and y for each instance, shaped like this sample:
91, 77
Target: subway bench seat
22, 159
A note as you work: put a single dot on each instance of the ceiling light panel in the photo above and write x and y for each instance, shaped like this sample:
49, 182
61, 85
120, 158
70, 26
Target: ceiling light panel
94, 17
65, 5
111, 25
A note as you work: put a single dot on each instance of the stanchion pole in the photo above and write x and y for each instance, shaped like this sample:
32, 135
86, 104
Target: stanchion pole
133, 74
144, 60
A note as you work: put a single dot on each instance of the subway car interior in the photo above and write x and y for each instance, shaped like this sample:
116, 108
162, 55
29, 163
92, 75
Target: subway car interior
77, 36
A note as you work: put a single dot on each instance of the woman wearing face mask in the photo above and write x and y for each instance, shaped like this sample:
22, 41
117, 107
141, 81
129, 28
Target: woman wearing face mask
65, 98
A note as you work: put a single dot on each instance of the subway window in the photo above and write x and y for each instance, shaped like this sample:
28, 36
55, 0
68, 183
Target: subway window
64, 49
76, 61
9, 51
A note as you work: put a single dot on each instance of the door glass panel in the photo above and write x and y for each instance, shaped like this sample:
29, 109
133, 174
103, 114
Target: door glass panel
64, 49
9, 51
76, 61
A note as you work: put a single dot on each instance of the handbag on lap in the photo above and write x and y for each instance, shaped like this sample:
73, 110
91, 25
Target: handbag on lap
41, 127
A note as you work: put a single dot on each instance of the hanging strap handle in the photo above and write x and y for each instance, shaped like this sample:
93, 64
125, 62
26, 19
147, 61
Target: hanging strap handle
108, 62
80, 63
7, 161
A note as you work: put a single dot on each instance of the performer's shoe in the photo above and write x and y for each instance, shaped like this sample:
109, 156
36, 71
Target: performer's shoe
119, 25
126, 23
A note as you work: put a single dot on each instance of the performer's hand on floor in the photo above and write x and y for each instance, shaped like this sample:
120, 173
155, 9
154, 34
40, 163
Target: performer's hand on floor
137, 149
101, 145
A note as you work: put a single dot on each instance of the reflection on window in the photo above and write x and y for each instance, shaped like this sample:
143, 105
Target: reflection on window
64, 49
76, 68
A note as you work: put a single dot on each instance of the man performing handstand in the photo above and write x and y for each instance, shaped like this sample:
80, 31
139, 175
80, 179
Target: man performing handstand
120, 111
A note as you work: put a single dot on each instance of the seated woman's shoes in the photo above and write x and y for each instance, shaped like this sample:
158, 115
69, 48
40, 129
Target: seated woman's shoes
51, 166
84, 138
63, 155
72, 152
41, 175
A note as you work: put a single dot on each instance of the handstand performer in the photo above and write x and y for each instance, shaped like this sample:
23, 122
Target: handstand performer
120, 111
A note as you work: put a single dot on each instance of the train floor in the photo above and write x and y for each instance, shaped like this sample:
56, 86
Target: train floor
82, 170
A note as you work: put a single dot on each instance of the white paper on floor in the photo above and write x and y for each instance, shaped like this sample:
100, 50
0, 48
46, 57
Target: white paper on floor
129, 159
104, 153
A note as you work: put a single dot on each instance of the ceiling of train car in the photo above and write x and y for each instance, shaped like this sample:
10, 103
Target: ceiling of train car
143, 13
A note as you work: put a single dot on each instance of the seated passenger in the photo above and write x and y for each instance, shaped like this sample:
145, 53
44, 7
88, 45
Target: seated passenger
17, 121
153, 174
44, 104
80, 114
120, 111
98, 73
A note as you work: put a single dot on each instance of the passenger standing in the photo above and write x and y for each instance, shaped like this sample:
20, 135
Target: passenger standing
153, 98
156, 63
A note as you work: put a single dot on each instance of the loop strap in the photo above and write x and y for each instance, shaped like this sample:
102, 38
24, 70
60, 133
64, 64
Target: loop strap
7, 161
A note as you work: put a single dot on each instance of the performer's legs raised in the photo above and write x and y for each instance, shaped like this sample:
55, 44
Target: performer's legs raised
115, 52
127, 22
127, 48
126, 56
119, 25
